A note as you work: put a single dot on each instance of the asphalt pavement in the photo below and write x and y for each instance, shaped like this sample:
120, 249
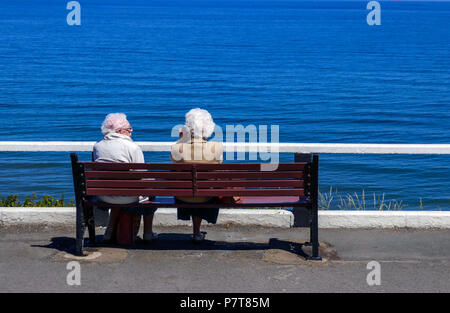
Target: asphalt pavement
232, 259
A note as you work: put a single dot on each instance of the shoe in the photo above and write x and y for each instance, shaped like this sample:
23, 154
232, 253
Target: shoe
198, 238
150, 237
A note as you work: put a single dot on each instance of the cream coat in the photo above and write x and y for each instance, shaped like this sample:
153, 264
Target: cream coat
199, 151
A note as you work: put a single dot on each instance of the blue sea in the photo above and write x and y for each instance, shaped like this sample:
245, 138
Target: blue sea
315, 68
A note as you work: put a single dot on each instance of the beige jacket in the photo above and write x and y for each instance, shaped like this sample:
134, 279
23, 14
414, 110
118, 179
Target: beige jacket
198, 151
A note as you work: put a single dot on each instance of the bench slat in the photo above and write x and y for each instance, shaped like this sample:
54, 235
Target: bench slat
138, 192
138, 175
250, 192
206, 206
144, 166
249, 167
260, 175
137, 184
249, 183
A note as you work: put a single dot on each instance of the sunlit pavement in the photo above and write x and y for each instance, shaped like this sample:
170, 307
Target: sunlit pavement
232, 259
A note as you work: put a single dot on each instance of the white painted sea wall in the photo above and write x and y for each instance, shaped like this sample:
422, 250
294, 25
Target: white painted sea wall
250, 217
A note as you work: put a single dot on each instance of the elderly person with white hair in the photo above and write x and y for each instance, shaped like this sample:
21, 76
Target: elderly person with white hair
193, 147
117, 146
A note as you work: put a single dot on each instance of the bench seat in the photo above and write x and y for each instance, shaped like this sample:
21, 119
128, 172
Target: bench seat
169, 202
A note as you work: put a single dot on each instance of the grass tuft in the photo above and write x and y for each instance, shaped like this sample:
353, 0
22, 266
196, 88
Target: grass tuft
34, 200
358, 202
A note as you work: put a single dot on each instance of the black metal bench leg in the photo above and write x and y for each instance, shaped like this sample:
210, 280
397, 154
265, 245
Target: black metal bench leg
81, 226
90, 222
309, 243
315, 239
314, 228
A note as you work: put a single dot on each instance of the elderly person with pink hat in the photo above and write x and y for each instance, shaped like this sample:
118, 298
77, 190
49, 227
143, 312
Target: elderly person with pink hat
117, 146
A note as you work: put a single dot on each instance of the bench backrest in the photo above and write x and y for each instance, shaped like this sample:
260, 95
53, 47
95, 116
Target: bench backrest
169, 179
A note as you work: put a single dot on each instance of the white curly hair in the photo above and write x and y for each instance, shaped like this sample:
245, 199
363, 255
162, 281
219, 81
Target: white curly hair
113, 122
199, 122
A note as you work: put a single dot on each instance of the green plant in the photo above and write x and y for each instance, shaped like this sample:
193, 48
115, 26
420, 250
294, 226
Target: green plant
358, 202
35, 201
30, 200
10, 201
325, 199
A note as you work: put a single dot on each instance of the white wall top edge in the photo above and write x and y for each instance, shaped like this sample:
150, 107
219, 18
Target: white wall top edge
251, 211
367, 213
351, 148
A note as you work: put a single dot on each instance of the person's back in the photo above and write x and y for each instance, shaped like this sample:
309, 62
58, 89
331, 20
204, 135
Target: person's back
193, 148
197, 151
118, 147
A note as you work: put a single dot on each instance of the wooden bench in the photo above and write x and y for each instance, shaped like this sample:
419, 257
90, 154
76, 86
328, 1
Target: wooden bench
293, 185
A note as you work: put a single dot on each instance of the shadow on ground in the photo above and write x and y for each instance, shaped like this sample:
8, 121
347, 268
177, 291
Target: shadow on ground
175, 241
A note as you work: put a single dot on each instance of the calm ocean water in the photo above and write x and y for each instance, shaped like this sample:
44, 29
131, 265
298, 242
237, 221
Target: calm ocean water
314, 68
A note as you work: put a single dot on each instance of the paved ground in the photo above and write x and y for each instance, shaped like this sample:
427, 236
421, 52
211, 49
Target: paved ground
234, 259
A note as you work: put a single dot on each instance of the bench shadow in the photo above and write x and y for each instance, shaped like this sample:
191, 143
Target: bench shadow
175, 241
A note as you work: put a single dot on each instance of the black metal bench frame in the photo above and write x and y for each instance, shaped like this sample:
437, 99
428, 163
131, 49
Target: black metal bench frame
298, 179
